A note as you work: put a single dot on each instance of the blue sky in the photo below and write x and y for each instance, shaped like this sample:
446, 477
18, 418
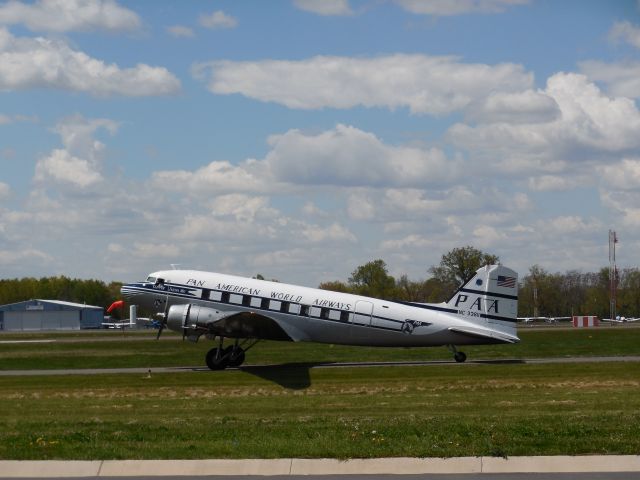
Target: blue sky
302, 138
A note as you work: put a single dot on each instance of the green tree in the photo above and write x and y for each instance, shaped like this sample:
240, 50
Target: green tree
372, 280
458, 265
336, 286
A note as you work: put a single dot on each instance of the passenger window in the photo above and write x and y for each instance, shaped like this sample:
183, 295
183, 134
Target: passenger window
235, 298
294, 308
215, 296
314, 312
274, 305
334, 315
256, 302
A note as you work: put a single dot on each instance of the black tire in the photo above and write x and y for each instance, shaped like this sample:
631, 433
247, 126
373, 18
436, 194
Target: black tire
216, 363
235, 355
460, 357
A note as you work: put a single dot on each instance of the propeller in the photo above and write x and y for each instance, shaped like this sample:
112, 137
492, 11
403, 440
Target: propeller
163, 321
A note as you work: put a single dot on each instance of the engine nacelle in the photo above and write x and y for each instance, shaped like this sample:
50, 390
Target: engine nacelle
191, 317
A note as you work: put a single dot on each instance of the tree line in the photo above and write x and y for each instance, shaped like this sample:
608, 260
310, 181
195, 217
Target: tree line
90, 292
541, 293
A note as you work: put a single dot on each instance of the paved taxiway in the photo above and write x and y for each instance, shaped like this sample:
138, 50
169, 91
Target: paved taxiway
431, 363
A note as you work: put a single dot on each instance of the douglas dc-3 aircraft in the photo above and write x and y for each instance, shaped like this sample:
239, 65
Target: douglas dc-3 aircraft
195, 303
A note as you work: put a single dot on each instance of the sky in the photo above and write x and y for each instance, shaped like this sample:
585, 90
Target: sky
300, 139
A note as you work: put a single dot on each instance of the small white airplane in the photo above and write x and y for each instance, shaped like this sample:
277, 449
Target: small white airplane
545, 319
620, 319
196, 303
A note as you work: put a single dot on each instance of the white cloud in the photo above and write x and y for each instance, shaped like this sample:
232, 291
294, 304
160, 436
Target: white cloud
546, 183
624, 205
155, 250
5, 190
412, 241
626, 32
457, 7
243, 208
520, 107
360, 206
324, 7
332, 233
310, 209
424, 84
63, 167
216, 178
217, 19
349, 156
78, 164
622, 78
591, 127
22, 256
623, 175
180, 31
343, 156
27, 63
69, 15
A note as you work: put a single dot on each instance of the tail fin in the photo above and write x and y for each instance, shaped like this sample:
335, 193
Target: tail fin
489, 299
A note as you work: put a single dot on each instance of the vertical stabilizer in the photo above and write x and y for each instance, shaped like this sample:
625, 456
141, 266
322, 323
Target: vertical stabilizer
489, 299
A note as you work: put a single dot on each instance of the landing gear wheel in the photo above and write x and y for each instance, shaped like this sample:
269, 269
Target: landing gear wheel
460, 357
235, 356
217, 360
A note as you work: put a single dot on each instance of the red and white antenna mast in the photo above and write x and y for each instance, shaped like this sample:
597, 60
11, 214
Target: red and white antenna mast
613, 274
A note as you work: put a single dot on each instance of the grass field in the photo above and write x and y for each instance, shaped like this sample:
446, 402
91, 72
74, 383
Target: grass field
138, 349
353, 412
292, 411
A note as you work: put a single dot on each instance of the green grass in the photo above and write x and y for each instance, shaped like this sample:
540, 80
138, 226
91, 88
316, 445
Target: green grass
138, 349
435, 411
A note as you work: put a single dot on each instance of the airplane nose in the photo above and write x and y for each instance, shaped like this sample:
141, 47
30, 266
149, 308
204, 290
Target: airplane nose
129, 293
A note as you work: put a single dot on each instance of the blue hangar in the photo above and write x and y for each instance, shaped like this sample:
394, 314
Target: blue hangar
33, 315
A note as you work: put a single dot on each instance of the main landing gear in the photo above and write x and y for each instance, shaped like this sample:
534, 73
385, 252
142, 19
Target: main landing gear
219, 358
459, 357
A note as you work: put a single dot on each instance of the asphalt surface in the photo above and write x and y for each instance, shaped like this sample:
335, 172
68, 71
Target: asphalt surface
255, 368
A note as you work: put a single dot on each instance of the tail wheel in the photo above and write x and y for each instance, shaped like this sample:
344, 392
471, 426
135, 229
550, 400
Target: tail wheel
460, 357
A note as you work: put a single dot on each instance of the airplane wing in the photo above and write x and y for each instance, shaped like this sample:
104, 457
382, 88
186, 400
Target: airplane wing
249, 325
117, 324
486, 334
235, 324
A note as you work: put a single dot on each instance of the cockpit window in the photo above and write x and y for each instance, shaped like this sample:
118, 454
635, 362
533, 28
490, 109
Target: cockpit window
151, 279
159, 282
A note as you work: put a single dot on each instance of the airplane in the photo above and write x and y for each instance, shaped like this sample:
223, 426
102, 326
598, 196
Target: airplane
546, 319
133, 318
246, 310
131, 323
620, 319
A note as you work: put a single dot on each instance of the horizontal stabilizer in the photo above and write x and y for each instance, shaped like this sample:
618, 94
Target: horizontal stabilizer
487, 334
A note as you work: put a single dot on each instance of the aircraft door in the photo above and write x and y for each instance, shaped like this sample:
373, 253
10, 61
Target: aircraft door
362, 313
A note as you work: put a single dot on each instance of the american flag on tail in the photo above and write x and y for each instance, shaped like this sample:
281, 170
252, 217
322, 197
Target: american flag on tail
506, 282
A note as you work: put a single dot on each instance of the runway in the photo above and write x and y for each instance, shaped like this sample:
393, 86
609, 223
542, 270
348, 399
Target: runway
256, 368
